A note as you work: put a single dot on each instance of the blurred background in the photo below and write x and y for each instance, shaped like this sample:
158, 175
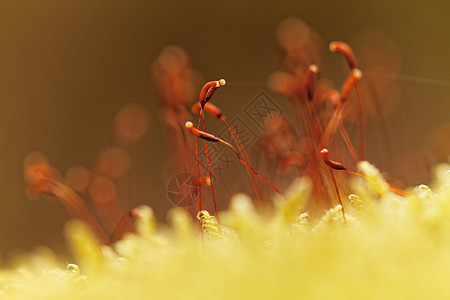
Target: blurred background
67, 67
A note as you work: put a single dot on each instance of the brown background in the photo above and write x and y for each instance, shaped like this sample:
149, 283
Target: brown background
67, 66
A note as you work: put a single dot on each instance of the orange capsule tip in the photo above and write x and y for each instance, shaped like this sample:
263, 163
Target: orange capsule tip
357, 73
314, 69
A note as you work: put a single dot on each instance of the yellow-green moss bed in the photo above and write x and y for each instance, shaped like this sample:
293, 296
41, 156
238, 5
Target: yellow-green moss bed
389, 247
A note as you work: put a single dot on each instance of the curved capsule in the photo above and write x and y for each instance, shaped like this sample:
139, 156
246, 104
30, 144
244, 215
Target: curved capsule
349, 83
208, 90
346, 50
209, 108
312, 70
332, 164
201, 134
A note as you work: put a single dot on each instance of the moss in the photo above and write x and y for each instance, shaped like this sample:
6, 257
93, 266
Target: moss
389, 247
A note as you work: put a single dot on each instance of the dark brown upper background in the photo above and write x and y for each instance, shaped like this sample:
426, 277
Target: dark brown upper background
66, 67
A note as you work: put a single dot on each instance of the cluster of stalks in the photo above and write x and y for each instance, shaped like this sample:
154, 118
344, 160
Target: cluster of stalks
319, 110
102, 195
174, 82
302, 145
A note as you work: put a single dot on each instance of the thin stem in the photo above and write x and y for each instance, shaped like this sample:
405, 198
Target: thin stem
209, 169
251, 168
391, 187
347, 140
361, 146
75, 204
237, 141
199, 188
337, 192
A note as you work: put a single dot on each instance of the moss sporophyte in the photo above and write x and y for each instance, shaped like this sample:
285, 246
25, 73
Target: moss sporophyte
339, 230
